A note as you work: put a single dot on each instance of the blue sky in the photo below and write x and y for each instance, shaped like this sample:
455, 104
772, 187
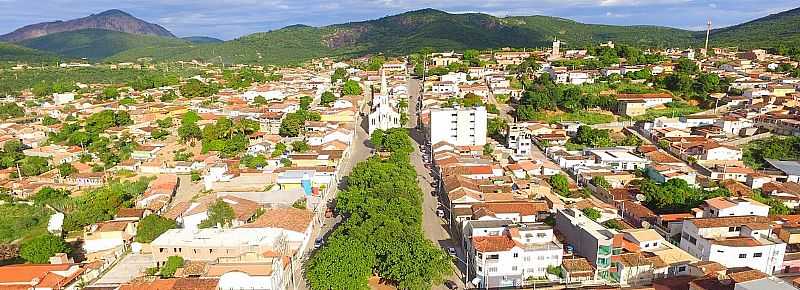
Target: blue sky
228, 19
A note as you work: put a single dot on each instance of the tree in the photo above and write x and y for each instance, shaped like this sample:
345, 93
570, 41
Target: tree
189, 131
197, 89
338, 74
152, 226
66, 169
260, 100
327, 98
377, 138
49, 121
300, 146
11, 110
591, 213
397, 140
601, 182
220, 213
488, 149
47, 195
351, 87
109, 94
496, 128
675, 195
280, 148
305, 102
39, 249
592, 137
190, 117
170, 266
560, 184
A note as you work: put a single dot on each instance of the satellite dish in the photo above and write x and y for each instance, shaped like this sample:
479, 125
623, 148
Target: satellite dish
640, 197
645, 225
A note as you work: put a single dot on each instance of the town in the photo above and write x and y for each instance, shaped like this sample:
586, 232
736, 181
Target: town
609, 166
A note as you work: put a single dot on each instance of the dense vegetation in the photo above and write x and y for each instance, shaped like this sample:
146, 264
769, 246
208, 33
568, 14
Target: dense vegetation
98, 43
11, 82
152, 226
675, 195
381, 232
228, 137
22, 221
756, 152
87, 134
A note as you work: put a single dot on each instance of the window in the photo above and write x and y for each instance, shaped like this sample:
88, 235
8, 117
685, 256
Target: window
756, 255
492, 269
494, 257
514, 268
742, 256
681, 268
731, 229
480, 268
516, 255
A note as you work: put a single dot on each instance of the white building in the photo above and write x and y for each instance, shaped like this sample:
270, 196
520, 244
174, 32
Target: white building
60, 99
618, 159
743, 241
458, 126
383, 115
733, 206
518, 253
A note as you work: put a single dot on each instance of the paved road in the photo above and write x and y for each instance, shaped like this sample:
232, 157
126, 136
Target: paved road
359, 152
436, 228
129, 267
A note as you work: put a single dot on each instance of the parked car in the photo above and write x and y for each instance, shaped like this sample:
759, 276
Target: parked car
451, 251
450, 285
440, 213
318, 243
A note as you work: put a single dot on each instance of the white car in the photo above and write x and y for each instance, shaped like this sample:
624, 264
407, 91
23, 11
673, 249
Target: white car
440, 213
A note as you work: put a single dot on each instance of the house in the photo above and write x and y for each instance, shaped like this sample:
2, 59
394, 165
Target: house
733, 206
41, 276
617, 159
736, 241
520, 252
110, 237
649, 100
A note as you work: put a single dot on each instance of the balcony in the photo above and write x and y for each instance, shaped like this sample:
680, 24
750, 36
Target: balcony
604, 250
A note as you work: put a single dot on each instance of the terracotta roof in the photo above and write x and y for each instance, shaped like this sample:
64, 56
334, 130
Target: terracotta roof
493, 243
737, 242
744, 274
755, 222
285, 218
130, 212
27, 272
525, 208
576, 265
173, 284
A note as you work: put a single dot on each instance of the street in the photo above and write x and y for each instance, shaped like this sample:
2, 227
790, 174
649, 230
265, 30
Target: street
359, 152
435, 228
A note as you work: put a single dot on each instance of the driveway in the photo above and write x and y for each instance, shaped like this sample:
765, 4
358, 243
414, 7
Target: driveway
131, 266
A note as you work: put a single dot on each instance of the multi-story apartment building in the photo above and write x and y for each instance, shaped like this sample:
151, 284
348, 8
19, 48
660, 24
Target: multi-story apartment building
590, 239
509, 258
737, 241
458, 126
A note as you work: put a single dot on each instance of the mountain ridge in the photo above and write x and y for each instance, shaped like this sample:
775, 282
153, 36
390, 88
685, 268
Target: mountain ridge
114, 19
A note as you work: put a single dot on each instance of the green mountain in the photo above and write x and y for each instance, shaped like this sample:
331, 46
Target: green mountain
411, 31
15, 53
777, 29
98, 43
202, 39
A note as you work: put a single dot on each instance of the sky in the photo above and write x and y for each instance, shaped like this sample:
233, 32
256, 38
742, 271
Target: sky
228, 19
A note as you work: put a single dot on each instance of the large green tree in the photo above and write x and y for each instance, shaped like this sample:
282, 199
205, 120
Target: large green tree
152, 226
39, 249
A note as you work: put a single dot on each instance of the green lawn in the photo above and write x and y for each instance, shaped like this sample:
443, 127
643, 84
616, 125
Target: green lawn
587, 118
678, 110
22, 221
